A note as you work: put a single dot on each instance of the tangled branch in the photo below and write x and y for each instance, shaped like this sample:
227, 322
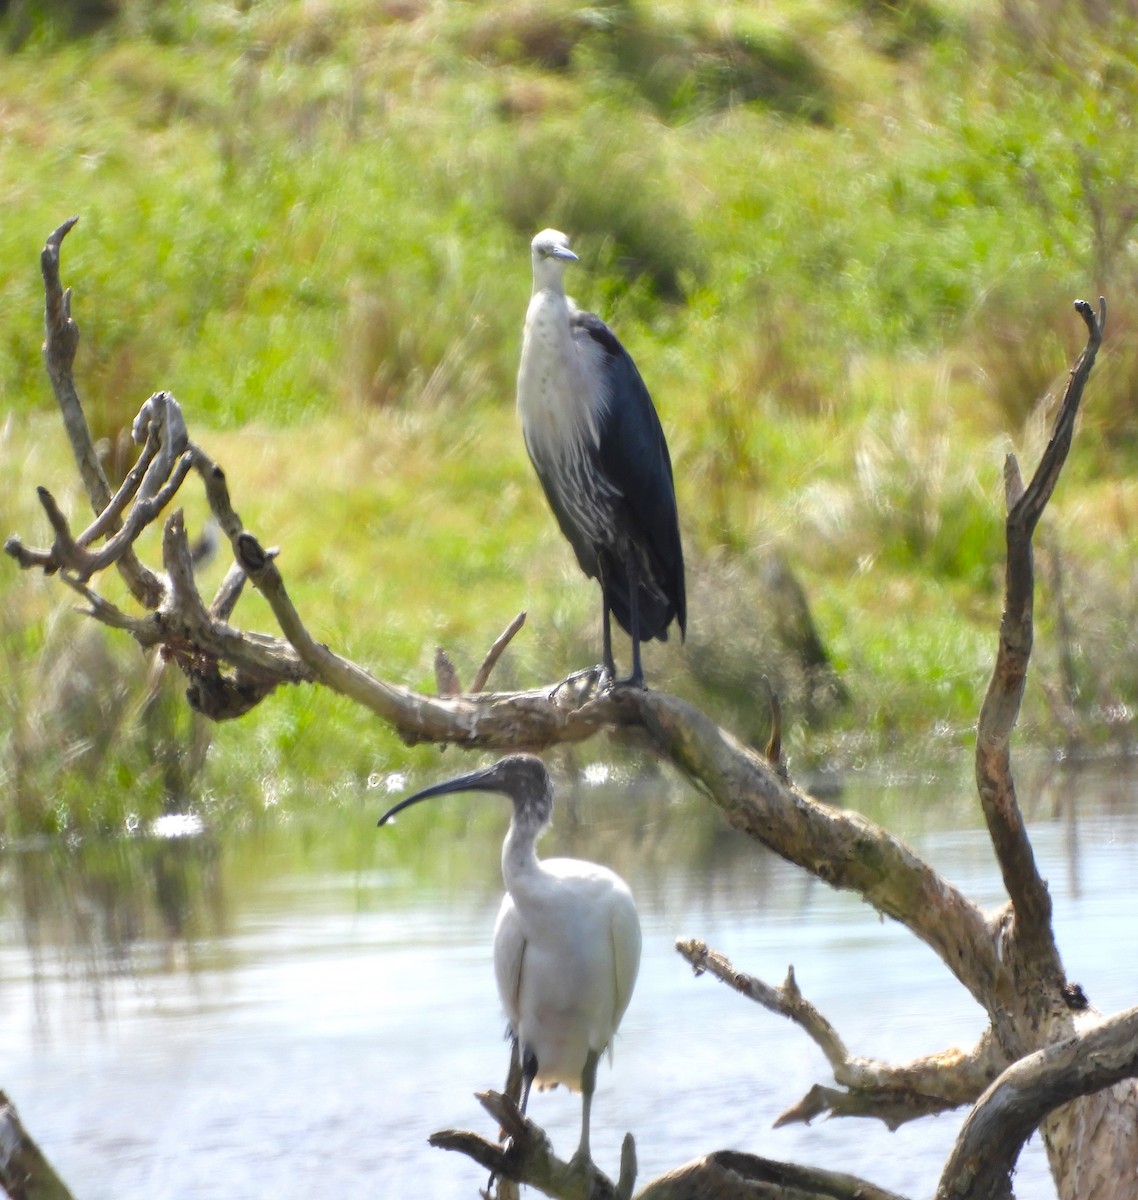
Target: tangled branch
1008, 960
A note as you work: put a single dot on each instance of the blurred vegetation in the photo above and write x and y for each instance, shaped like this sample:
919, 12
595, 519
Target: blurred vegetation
840, 237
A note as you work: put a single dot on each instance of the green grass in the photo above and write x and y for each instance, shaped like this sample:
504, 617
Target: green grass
840, 237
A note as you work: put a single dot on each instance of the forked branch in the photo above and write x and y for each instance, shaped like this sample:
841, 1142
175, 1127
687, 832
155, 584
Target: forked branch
1030, 900
231, 669
61, 340
1013, 1107
894, 1094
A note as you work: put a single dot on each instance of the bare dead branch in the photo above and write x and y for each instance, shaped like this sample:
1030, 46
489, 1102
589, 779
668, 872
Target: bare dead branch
527, 1156
229, 592
25, 1174
840, 847
61, 339
205, 646
1028, 892
774, 742
447, 682
446, 674
493, 721
785, 1000
482, 675
107, 520
1012, 1108
732, 1175
893, 1094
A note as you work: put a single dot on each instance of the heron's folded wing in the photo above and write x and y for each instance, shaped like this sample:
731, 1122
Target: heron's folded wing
634, 455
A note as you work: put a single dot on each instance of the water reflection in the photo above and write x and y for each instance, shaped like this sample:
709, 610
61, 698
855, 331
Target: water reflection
297, 1008
90, 914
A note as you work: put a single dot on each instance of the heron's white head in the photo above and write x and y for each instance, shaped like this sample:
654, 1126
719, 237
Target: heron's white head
550, 252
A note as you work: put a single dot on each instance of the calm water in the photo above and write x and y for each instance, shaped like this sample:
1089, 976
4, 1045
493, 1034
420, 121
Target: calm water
293, 1012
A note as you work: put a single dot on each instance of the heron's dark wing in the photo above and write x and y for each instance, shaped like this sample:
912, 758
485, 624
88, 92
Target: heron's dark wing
634, 457
564, 490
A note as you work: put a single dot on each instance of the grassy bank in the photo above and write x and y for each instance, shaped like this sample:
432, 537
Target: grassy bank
840, 238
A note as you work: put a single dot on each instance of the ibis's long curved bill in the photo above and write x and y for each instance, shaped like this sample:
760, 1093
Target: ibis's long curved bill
486, 780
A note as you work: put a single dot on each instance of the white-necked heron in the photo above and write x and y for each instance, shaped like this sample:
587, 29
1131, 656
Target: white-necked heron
596, 443
566, 944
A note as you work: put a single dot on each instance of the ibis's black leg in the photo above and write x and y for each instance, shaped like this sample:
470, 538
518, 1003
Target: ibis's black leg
513, 1092
588, 1086
529, 1070
513, 1088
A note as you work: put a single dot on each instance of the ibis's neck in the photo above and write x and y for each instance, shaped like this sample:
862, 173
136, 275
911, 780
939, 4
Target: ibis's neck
519, 851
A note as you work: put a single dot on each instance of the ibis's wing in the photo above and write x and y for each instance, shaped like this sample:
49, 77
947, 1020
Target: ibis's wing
634, 457
625, 925
509, 959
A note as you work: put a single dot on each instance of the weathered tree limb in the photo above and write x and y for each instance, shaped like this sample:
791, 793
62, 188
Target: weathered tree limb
61, 340
841, 847
1007, 961
1030, 899
25, 1174
526, 1156
732, 1175
1033, 1005
1011, 1109
894, 1094
482, 675
446, 675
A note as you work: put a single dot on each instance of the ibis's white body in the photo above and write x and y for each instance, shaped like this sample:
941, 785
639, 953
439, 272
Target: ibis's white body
567, 943
566, 953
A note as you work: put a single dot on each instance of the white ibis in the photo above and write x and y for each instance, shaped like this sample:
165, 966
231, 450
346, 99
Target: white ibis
596, 443
566, 944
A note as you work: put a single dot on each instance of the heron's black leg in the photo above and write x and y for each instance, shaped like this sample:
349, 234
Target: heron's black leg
607, 660
636, 679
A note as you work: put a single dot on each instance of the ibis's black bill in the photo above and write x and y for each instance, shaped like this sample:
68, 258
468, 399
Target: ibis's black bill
486, 780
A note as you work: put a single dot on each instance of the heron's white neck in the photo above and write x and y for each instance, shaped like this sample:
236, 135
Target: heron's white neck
548, 275
553, 396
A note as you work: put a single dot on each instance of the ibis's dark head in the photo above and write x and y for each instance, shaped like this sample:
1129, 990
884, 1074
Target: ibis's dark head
522, 777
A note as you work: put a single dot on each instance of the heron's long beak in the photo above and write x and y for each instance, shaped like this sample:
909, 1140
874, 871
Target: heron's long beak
486, 780
563, 252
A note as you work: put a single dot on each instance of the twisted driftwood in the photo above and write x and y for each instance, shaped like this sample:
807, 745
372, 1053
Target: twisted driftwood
1046, 1056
